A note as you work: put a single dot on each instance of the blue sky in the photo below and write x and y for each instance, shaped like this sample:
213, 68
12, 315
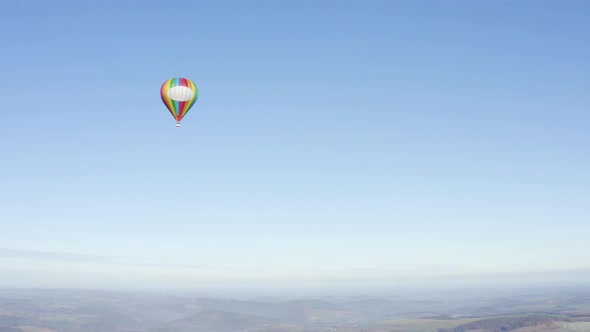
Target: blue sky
349, 140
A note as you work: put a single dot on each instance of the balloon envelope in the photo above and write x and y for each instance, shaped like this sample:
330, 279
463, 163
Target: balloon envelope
179, 95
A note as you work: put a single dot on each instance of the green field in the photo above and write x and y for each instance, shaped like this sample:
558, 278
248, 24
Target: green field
423, 325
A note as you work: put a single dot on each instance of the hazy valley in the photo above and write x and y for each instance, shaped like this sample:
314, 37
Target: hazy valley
98, 311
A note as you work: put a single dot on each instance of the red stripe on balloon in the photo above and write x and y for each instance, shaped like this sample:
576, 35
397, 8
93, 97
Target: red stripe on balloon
181, 106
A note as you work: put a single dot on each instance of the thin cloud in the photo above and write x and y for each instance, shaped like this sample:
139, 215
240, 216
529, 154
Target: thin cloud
87, 258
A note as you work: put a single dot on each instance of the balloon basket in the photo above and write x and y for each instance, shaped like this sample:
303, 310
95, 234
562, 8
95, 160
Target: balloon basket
178, 124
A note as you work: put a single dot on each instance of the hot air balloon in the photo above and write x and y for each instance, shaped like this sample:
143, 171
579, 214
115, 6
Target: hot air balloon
179, 95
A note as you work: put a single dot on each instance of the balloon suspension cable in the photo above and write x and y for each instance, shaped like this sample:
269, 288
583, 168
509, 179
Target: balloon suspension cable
177, 124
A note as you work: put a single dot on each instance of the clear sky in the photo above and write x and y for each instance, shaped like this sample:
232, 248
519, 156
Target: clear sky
332, 142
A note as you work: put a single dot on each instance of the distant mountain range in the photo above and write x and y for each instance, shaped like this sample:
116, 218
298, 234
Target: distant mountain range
93, 311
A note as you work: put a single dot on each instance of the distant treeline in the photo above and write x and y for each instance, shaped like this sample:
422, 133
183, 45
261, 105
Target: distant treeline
502, 324
578, 313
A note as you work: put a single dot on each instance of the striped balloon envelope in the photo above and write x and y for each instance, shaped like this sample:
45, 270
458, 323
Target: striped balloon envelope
179, 95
